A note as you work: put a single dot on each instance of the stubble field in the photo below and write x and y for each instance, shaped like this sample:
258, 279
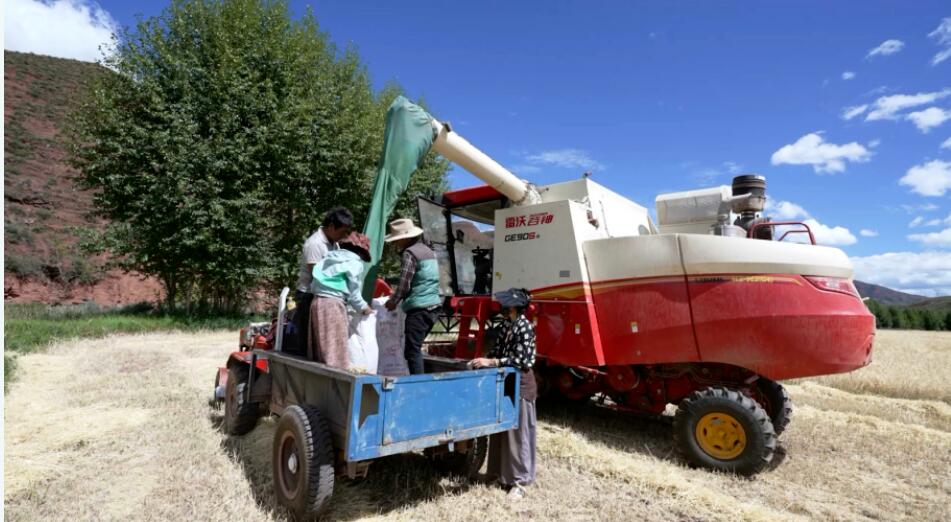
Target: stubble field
121, 428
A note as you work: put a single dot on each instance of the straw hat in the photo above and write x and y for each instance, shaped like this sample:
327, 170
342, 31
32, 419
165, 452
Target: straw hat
357, 243
402, 229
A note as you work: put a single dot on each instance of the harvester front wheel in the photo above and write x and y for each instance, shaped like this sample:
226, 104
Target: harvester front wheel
724, 430
240, 416
777, 403
303, 461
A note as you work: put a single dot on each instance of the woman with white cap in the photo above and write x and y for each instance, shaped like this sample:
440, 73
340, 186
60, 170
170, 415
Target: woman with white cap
512, 453
418, 290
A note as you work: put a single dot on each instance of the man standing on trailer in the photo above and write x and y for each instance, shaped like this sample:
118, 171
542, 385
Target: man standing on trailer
335, 226
418, 290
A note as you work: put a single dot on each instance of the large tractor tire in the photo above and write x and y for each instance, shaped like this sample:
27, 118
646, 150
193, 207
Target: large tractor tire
303, 462
461, 464
240, 416
777, 403
724, 430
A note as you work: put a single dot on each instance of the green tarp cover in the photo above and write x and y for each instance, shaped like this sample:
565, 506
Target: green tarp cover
407, 139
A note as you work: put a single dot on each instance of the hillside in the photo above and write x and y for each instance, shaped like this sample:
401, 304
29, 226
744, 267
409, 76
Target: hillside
45, 212
935, 303
886, 295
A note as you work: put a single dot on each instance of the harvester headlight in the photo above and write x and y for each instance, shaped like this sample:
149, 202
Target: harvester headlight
834, 284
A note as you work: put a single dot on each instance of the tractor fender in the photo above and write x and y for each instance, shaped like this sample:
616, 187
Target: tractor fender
236, 358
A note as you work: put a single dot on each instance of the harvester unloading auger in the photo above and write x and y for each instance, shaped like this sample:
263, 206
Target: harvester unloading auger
705, 311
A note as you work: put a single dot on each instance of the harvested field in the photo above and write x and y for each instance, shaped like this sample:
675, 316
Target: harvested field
121, 428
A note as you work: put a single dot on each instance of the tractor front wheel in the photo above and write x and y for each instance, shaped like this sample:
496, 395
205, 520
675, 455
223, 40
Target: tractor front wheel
724, 430
303, 461
464, 464
240, 416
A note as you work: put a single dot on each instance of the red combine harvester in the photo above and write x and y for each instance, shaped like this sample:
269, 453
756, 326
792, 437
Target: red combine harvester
705, 310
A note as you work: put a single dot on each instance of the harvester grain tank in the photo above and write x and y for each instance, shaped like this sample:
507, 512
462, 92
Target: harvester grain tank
705, 310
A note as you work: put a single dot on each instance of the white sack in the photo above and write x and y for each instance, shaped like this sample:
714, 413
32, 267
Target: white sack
389, 335
362, 346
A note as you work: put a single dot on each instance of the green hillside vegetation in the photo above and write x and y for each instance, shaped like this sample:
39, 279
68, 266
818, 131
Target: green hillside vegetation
933, 314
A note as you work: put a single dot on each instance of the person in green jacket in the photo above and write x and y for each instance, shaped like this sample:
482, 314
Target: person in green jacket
337, 285
418, 290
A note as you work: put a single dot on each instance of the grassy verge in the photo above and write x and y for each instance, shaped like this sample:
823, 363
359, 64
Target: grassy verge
30, 327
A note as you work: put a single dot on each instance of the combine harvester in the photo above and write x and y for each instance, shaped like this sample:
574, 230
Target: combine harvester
705, 311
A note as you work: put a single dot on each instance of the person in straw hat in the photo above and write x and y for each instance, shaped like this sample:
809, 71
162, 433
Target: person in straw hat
418, 289
337, 284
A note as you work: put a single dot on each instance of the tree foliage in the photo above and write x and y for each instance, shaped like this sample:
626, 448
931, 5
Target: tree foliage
226, 131
902, 318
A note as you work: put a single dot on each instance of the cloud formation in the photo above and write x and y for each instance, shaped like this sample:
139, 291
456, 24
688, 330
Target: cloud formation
850, 112
940, 239
824, 157
64, 28
888, 107
848, 75
907, 270
886, 48
566, 158
946, 144
867, 232
824, 234
929, 179
929, 118
942, 35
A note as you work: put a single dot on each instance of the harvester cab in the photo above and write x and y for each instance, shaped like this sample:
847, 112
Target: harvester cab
706, 310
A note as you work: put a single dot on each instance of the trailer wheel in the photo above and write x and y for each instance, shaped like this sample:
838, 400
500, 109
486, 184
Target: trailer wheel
466, 465
724, 430
240, 416
303, 461
777, 403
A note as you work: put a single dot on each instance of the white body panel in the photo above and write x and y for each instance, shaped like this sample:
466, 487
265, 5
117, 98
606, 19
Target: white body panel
692, 254
692, 211
532, 254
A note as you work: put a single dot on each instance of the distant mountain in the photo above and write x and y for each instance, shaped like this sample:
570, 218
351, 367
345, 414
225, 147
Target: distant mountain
888, 296
942, 304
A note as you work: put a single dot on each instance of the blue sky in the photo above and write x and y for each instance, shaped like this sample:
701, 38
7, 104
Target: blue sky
656, 97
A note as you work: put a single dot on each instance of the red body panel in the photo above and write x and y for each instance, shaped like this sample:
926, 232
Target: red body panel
645, 321
471, 195
780, 326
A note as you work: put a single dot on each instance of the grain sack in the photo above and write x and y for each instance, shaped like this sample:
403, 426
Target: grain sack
389, 335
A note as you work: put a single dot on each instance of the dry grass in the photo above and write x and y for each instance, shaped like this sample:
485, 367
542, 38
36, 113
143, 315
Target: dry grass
121, 428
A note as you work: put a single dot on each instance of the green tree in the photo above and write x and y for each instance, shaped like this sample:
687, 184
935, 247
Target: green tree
225, 132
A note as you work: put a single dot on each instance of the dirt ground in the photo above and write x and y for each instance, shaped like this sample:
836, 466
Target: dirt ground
121, 428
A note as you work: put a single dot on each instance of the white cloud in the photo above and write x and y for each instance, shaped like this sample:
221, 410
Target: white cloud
929, 179
888, 107
735, 168
848, 75
64, 28
833, 236
942, 35
785, 210
924, 207
874, 143
824, 157
867, 232
566, 158
886, 48
916, 222
850, 112
923, 270
825, 235
933, 239
929, 118
946, 144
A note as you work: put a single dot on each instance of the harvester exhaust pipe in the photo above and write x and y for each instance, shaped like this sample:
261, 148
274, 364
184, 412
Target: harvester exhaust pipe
456, 149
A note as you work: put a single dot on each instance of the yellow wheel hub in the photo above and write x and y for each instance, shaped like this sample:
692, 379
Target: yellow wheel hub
721, 436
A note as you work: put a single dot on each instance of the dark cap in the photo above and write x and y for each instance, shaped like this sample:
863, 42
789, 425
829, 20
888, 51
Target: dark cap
513, 298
